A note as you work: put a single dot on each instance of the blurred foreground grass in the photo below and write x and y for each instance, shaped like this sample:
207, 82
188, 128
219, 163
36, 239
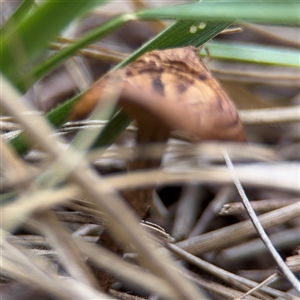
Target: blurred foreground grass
47, 220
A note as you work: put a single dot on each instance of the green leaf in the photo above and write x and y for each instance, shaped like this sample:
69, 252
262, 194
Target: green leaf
253, 53
17, 16
28, 40
178, 35
112, 25
229, 10
249, 11
112, 130
68, 52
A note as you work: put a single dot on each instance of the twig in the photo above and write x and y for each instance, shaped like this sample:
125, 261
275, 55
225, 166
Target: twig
276, 175
274, 115
269, 280
124, 296
260, 230
221, 290
212, 209
69, 255
187, 209
282, 239
35, 270
220, 273
259, 206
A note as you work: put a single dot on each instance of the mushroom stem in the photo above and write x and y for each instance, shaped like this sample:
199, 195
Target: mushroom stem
150, 130
140, 198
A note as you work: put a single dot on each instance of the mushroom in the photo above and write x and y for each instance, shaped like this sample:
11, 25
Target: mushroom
164, 91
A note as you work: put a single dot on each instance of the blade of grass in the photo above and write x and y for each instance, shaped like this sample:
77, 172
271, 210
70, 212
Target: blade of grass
23, 45
17, 16
110, 26
66, 53
221, 11
258, 11
252, 53
115, 23
178, 35
258, 226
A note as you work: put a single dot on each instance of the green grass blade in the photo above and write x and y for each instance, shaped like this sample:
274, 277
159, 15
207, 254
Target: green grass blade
27, 42
66, 53
194, 39
178, 35
252, 53
258, 11
203, 9
112, 130
57, 117
17, 16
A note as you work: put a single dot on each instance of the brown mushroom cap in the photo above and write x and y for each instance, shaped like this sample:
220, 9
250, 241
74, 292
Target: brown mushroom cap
171, 90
